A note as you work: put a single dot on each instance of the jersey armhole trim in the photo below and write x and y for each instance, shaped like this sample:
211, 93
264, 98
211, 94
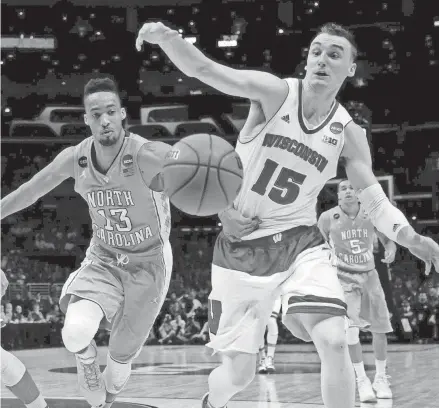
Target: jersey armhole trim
137, 163
267, 122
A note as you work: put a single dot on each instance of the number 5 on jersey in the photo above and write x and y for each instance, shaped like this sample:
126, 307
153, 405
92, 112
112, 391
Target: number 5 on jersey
286, 188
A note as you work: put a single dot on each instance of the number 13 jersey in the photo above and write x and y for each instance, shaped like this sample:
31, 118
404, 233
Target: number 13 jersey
287, 163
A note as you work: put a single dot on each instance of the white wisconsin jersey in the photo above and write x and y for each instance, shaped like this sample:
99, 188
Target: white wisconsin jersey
286, 164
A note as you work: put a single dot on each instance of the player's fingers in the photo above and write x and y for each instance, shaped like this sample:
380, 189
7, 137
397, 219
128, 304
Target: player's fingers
142, 32
427, 267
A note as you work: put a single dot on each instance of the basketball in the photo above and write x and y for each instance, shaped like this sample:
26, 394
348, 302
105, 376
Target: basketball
202, 174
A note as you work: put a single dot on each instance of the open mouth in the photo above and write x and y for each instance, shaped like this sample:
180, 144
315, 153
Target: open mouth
321, 74
107, 132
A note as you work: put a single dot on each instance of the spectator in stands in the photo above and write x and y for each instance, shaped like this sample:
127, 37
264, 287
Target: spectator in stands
35, 315
410, 290
44, 303
203, 336
193, 302
192, 328
422, 314
17, 316
18, 301
179, 325
166, 331
175, 307
8, 312
55, 315
3, 315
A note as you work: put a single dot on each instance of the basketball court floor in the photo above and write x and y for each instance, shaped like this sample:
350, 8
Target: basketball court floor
176, 377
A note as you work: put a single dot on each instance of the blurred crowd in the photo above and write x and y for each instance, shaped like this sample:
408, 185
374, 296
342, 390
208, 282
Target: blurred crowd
417, 303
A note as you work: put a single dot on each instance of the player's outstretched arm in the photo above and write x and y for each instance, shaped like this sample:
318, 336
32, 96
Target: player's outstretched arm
60, 169
324, 225
386, 218
263, 87
151, 158
389, 247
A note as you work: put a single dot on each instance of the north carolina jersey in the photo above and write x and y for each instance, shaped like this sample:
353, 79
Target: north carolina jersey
351, 239
286, 164
127, 216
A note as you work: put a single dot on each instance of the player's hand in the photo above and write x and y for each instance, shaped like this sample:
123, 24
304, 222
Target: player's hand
236, 226
154, 33
389, 254
426, 250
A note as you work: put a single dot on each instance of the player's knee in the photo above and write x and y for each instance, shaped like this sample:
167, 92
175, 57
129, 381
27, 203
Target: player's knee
78, 333
81, 324
330, 335
353, 335
12, 369
242, 369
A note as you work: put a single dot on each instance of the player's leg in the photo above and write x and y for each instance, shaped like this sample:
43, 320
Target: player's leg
239, 309
374, 309
314, 309
235, 373
145, 287
89, 295
261, 369
18, 380
352, 285
272, 336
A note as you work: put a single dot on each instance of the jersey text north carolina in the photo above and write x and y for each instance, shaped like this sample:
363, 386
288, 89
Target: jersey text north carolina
287, 163
127, 216
351, 239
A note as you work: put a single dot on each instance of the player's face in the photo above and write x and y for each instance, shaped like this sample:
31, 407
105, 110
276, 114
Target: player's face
104, 115
346, 193
329, 61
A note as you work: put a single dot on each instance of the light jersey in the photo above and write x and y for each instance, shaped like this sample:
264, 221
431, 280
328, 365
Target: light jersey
352, 239
127, 216
286, 164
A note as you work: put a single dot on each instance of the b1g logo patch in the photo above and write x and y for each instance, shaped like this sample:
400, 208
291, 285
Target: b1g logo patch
329, 140
82, 161
336, 128
128, 163
173, 154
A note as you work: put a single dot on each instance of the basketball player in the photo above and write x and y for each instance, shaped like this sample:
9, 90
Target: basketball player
266, 360
294, 136
14, 374
351, 234
125, 275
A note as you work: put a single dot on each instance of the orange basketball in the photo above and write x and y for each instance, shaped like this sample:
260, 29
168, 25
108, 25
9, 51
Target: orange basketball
202, 174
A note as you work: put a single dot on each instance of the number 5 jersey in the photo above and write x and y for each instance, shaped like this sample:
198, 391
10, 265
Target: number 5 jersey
127, 216
287, 162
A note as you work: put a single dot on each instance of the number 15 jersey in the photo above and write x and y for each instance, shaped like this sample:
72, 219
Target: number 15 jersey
287, 163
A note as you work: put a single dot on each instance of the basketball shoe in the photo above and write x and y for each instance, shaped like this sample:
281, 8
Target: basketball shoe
91, 383
365, 390
381, 386
262, 369
269, 365
205, 402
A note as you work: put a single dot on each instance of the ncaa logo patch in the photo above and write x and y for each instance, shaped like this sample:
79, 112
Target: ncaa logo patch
127, 160
336, 216
82, 161
336, 128
128, 163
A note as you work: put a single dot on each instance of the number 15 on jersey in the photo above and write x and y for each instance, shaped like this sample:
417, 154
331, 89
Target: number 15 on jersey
286, 188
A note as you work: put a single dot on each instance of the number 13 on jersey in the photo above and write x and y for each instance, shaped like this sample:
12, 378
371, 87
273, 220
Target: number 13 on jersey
286, 188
